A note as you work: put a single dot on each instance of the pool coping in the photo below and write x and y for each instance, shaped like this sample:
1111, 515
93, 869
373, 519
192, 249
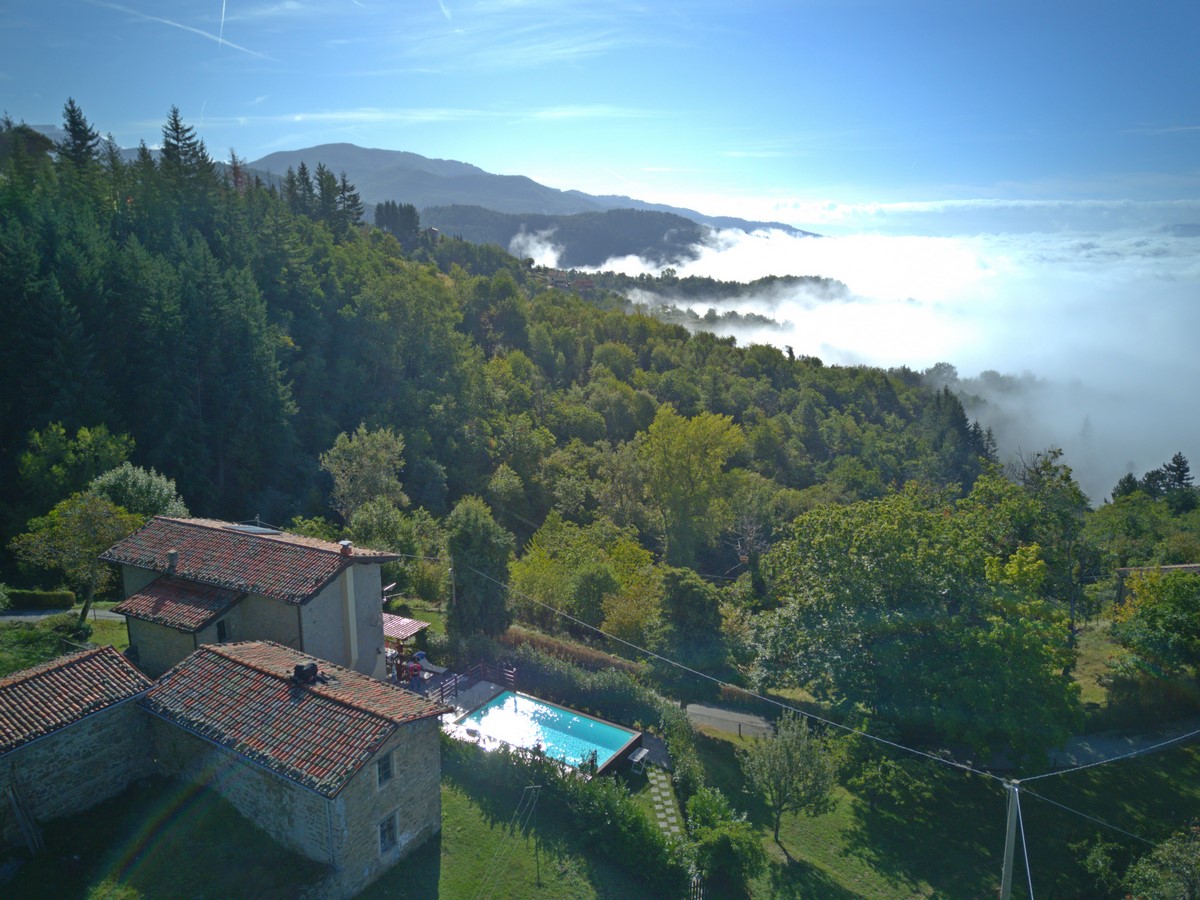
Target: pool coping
617, 756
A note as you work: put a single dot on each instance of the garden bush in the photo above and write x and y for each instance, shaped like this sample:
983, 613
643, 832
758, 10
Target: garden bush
68, 626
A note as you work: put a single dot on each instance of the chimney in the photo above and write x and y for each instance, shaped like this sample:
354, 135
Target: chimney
172, 561
346, 546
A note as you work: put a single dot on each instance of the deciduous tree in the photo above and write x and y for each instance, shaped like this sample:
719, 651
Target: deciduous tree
70, 539
365, 466
793, 769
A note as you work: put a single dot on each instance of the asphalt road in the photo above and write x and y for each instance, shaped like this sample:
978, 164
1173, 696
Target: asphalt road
35, 615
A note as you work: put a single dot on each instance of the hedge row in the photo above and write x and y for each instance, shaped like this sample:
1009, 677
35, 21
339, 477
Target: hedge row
23, 599
578, 654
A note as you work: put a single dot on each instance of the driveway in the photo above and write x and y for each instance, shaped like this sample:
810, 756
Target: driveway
36, 615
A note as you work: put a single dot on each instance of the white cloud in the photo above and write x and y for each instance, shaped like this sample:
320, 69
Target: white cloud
538, 245
1104, 321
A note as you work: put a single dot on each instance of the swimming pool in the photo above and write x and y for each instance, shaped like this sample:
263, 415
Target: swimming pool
523, 721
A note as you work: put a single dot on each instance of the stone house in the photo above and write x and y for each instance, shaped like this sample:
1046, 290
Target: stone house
71, 735
190, 582
335, 765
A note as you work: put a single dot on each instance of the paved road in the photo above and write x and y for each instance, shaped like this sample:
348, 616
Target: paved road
1090, 748
36, 615
1079, 751
732, 721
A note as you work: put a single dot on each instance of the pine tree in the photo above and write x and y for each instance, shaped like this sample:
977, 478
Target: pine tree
81, 145
350, 204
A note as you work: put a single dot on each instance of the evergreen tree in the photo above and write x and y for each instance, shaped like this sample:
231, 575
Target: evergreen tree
326, 210
81, 144
479, 552
350, 204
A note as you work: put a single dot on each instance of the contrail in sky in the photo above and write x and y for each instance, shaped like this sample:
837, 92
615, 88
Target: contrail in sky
181, 26
221, 33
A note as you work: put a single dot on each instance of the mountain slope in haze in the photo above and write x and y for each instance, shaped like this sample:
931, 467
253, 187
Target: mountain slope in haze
583, 239
405, 177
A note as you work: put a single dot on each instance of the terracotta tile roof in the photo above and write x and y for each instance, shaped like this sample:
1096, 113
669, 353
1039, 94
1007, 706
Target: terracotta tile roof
284, 566
186, 605
35, 702
242, 696
399, 628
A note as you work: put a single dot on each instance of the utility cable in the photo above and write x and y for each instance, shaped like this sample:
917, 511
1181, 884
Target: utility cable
705, 676
1024, 843
1084, 815
516, 817
1113, 759
511, 843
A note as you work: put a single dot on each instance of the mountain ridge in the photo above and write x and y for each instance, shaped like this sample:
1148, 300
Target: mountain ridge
424, 182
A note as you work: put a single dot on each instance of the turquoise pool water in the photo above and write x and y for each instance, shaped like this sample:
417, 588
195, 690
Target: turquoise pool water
524, 721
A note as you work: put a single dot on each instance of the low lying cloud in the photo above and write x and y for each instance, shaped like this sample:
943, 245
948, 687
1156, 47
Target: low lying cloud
537, 245
1078, 339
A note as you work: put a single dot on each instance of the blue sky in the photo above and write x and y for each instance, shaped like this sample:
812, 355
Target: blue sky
768, 109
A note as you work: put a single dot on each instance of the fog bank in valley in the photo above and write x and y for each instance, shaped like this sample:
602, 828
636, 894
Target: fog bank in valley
1084, 340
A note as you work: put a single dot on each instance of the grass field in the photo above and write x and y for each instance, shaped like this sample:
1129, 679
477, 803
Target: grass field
164, 839
1096, 651
478, 854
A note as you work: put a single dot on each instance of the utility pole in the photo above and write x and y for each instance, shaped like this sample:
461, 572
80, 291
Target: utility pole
1010, 842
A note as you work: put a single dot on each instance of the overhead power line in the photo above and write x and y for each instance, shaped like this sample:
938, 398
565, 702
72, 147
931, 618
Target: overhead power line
1089, 818
1112, 759
705, 676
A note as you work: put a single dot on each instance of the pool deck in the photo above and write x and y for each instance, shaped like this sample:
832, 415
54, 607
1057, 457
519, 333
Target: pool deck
473, 698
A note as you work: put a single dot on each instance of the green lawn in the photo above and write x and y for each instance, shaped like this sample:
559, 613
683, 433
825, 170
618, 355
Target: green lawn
1095, 652
478, 854
161, 839
952, 844
109, 631
25, 644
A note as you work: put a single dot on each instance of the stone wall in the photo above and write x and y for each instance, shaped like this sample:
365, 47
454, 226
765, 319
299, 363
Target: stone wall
297, 818
77, 766
413, 796
342, 832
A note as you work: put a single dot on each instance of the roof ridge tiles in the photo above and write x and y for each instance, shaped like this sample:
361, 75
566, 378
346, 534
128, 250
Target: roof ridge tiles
316, 687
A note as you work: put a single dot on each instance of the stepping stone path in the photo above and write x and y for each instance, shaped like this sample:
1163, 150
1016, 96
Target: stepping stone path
666, 810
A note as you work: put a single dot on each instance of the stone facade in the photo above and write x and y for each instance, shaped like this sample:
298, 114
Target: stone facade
343, 831
76, 767
412, 796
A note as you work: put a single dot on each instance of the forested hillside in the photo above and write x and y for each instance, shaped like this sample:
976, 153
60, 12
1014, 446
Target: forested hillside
769, 518
233, 335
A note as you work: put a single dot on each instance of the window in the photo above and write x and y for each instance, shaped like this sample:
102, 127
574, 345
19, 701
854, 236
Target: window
383, 769
222, 632
387, 834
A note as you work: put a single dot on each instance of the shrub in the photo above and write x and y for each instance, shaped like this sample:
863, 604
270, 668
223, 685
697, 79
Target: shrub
578, 654
680, 738
68, 626
23, 599
728, 849
4, 602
